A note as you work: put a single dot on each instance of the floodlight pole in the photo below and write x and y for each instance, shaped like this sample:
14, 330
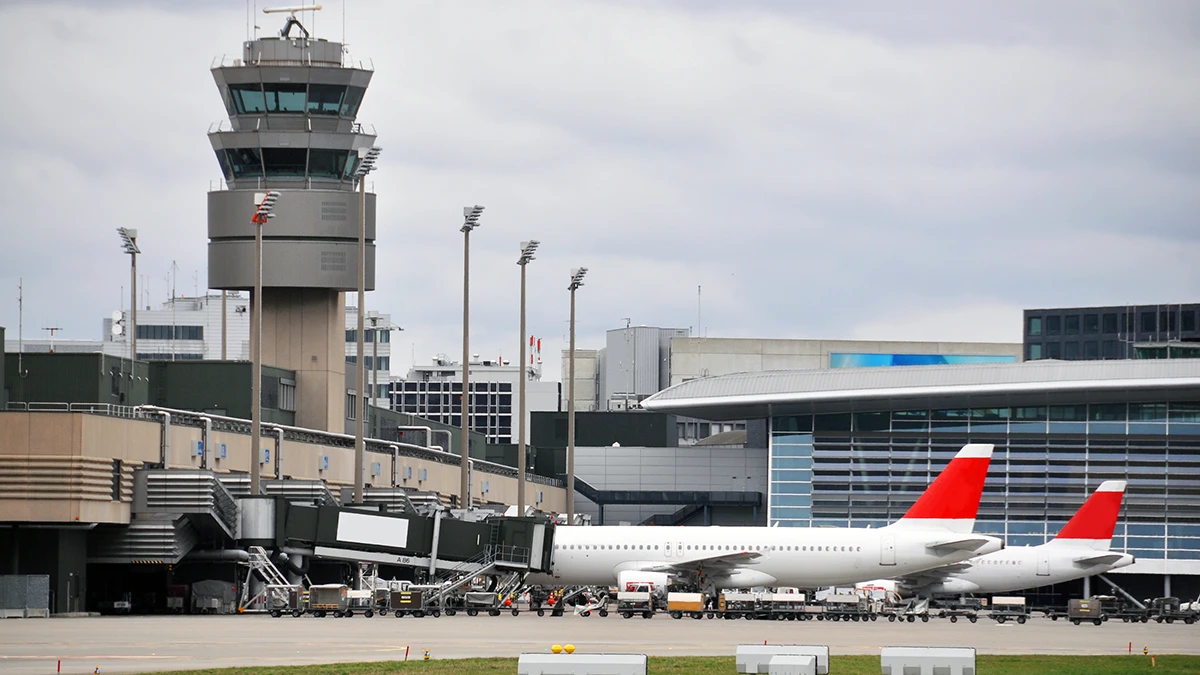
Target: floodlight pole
132, 311
576, 282
527, 249
366, 164
470, 221
262, 214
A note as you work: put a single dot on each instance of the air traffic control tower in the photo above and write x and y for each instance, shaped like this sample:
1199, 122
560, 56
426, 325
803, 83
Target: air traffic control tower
293, 102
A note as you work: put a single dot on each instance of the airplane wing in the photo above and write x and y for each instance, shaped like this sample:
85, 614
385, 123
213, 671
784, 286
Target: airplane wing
965, 543
719, 563
933, 576
1098, 559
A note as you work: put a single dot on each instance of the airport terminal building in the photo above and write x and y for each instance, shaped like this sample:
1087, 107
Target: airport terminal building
855, 447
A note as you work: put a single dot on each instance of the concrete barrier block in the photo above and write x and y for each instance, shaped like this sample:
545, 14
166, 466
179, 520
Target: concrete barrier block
581, 664
792, 664
754, 658
927, 661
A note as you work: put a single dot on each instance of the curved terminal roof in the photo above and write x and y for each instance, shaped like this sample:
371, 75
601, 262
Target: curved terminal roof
782, 392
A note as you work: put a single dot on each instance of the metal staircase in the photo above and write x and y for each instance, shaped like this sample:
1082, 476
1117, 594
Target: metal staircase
274, 594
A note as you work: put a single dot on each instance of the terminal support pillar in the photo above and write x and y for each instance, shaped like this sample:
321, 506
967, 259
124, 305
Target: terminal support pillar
1166, 585
1087, 587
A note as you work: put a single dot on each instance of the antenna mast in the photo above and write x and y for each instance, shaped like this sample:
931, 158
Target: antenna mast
52, 330
20, 326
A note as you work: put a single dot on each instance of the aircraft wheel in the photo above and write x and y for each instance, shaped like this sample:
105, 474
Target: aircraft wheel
1021, 620
954, 619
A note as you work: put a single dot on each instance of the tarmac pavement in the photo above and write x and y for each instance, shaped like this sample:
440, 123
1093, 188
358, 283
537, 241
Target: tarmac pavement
156, 643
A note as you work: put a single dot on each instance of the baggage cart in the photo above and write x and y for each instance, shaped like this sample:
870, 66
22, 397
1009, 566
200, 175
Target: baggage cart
406, 603
635, 602
1085, 610
286, 599
690, 604
328, 598
1009, 608
360, 601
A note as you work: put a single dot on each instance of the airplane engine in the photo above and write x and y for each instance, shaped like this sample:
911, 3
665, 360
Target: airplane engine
953, 586
630, 580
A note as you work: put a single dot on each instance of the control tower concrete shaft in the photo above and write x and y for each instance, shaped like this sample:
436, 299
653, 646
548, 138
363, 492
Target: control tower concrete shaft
293, 104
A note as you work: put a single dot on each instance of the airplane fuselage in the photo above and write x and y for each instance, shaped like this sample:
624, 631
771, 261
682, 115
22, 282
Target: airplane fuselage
750, 556
1025, 567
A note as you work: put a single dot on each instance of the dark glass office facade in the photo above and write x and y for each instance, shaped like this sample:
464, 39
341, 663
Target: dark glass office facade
1099, 333
865, 468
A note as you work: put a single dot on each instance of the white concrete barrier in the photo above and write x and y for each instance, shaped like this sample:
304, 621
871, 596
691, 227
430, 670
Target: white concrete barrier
754, 658
581, 664
927, 661
792, 664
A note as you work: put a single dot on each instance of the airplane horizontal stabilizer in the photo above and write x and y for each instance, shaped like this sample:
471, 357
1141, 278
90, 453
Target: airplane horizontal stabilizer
1101, 559
960, 544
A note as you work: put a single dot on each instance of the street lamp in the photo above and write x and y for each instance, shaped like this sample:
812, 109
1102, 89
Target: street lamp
262, 213
470, 221
577, 275
387, 329
527, 250
366, 164
129, 244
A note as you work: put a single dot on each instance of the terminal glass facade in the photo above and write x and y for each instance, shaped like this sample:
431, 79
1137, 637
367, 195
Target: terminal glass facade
866, 468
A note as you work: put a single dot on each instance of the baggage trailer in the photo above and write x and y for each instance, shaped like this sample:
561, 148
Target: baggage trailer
1085, 610
407, 602
327, 598
783, 606
635, 602
969, 610
849, 607
738, 605
1170, 610
360, 601
690, 604
1009, 608
287, 599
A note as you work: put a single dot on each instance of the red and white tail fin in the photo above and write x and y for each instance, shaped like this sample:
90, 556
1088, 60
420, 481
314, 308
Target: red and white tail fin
952, 499
1092, 525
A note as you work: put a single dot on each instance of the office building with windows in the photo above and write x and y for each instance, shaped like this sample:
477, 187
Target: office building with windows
434, 392
1105, 333
856, 447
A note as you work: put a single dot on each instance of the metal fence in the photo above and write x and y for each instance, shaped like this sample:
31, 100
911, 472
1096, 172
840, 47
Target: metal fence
24, 596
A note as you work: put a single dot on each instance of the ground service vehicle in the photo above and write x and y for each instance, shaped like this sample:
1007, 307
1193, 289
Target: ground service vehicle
1085, 610
1009, 608
327, 598
690, 604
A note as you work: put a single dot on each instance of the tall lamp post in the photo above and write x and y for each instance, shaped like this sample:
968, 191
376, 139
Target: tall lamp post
262, 213
366, 164
527, 250
577, 275
129, 243
470, 221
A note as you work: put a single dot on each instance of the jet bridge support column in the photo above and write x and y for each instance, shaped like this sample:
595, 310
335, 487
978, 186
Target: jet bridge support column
437, 533
1087, 587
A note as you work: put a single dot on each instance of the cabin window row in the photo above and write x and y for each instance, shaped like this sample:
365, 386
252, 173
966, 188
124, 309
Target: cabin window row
649, 547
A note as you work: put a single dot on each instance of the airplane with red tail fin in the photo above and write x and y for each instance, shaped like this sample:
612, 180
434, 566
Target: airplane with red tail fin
1079, 550
936, 530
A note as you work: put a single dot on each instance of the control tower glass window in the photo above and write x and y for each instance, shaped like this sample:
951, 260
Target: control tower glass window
247, 98
328, 163
245, 162
285, 98
354, 97
325, 99
224, 162
285, 161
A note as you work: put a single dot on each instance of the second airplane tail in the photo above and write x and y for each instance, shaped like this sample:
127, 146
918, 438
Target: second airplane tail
952, 500
1093, 524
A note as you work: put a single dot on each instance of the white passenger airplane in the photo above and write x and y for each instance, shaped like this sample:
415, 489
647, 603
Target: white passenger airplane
1079, 550
934, 532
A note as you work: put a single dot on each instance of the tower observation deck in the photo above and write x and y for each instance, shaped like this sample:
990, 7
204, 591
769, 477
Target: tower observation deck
293, 104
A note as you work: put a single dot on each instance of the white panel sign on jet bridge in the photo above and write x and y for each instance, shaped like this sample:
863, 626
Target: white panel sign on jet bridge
361, 528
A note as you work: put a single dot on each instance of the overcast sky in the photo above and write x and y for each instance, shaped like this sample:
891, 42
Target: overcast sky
919, 170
